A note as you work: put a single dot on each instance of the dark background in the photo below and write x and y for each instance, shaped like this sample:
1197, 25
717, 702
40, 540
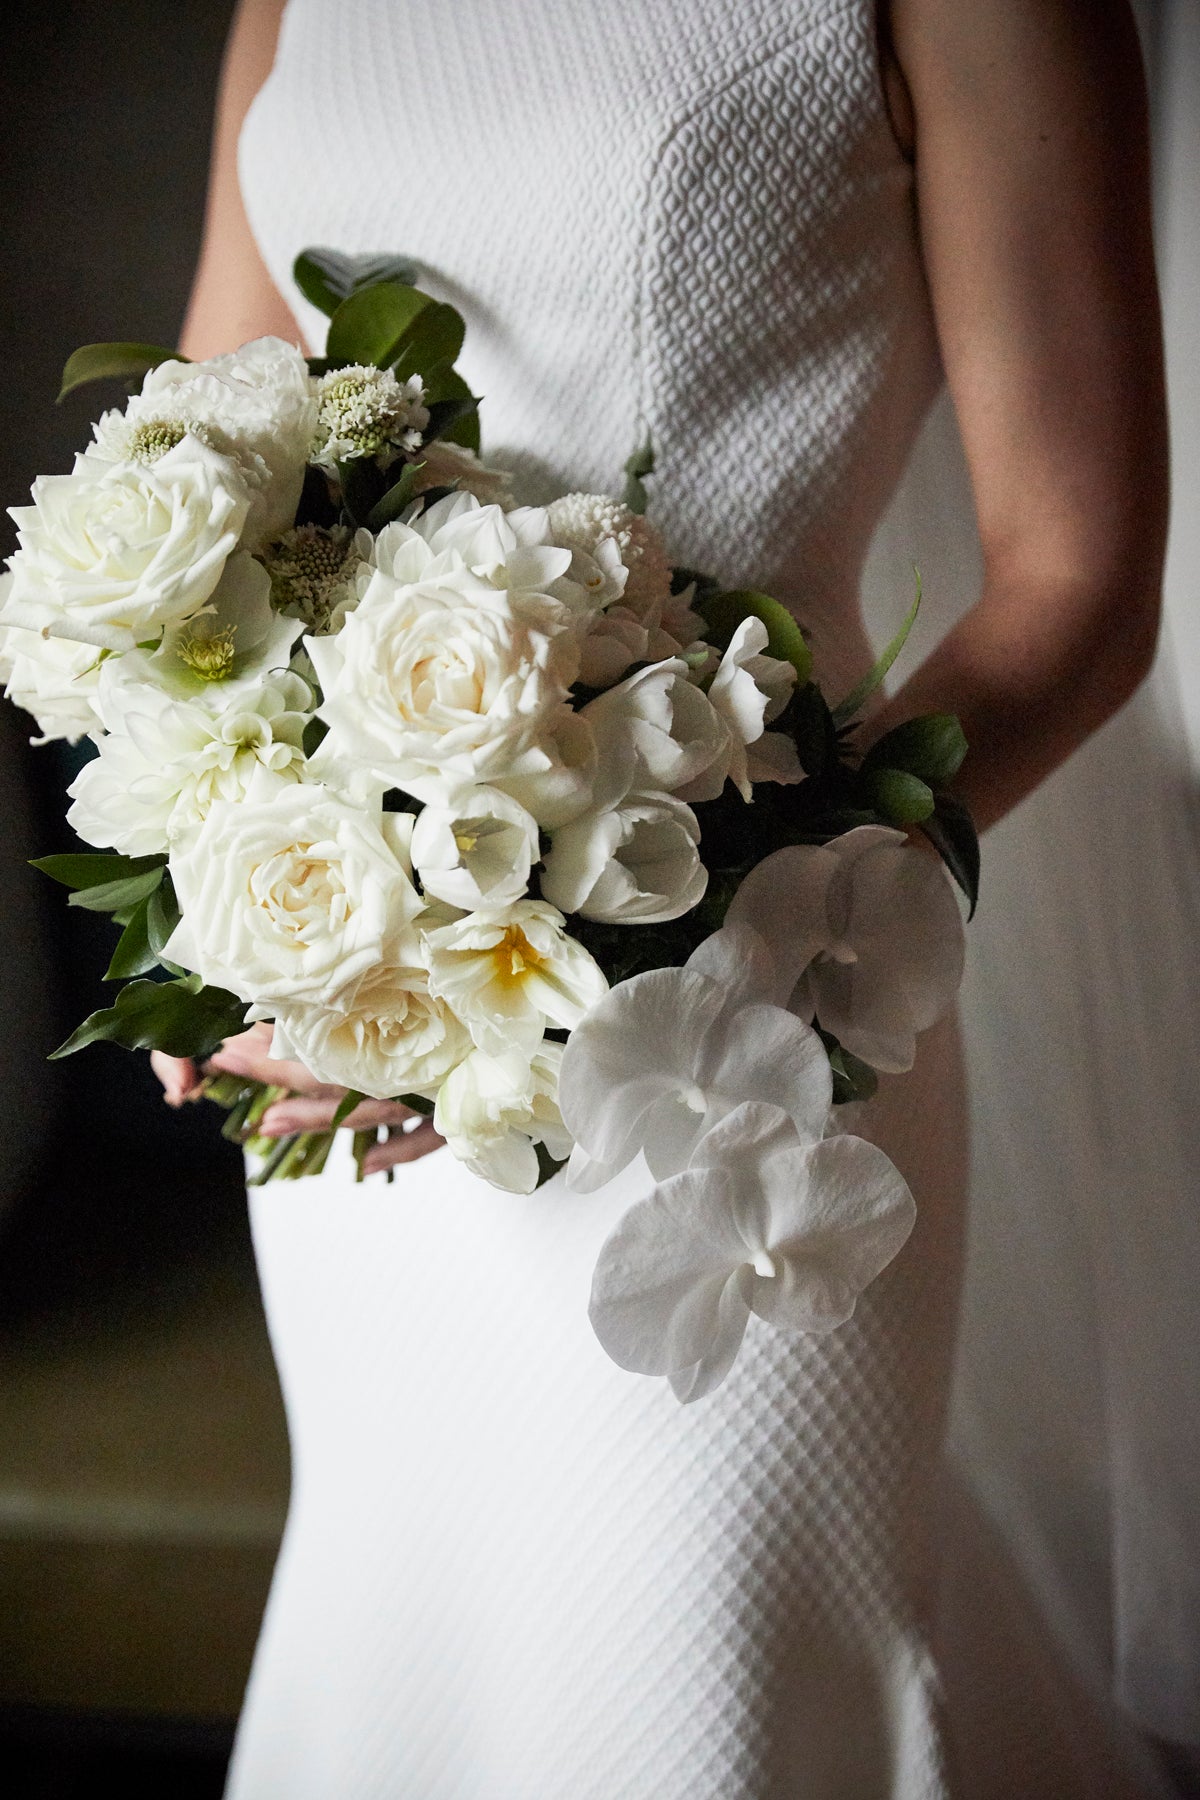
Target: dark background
142, 1456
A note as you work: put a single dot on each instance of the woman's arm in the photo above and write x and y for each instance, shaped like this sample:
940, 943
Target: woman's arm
1033, 188
233, 297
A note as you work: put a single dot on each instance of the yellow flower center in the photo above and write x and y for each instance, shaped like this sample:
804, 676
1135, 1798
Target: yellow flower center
514, 956
211, 658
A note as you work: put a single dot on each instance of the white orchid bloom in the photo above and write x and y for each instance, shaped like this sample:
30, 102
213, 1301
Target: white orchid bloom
510, 971
493, 1109
759, 1222
666, 1055
636, 863
869, 932
476, 849
747, 692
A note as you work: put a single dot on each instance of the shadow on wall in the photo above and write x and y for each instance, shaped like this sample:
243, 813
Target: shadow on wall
106, 108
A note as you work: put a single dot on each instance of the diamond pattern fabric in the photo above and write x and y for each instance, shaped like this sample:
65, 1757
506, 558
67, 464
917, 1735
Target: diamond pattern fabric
512, 1571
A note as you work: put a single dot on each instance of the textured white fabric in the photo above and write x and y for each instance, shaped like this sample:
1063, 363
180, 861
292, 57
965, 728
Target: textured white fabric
511, 1571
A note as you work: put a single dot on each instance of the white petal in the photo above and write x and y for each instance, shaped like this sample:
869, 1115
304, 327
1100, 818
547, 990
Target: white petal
704, 1376
765, 1054
784, 899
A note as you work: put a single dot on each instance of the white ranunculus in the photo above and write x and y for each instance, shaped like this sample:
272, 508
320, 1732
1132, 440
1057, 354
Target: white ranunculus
667, 1054
508, 973
52, 678
759, 1222
113, 553
390, 1037
217, 657
494, 1108
294, 898
158, 777
257, 404
657, 717
476, 850
441, 677
636, 863
748, 691
870, 934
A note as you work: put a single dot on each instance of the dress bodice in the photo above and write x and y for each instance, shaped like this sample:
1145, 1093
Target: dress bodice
689, 219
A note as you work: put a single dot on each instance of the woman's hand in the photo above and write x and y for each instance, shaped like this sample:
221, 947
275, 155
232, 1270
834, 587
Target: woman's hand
310, 1104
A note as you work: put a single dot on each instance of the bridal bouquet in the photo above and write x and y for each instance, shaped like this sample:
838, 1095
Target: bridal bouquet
488, 808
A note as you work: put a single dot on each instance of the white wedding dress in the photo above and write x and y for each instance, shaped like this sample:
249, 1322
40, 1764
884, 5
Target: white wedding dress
512, 1571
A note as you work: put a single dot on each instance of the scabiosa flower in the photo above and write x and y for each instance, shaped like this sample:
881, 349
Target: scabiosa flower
312, 575
364, 411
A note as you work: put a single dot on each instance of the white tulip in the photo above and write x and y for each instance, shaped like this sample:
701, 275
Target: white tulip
113, 553
656, 730
747, 691
759, 1222
636, 863
476, 849
494, 1108
509, 972
294, 898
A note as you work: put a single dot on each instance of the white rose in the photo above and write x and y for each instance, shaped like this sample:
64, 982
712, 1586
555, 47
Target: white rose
507, 973
637, 863
292, 898
392, 1037
439, 677
161, 774
218, 657
493, 1109
747, 691
116, 551
257, 404
476, 850
52, 678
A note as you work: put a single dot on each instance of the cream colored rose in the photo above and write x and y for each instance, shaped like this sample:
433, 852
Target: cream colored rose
294, 898
392, 1037
114, 552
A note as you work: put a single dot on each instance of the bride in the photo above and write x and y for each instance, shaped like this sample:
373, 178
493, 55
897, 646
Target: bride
762, 231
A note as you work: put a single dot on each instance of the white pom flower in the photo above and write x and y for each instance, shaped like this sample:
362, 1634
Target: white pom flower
869, 933
53, 678
365, 411
759, 1222
113, 553
494, 1108
156, 779
475, 850
596, 526
667, 1054
636, 863
389, 1037
294, 898
510, 972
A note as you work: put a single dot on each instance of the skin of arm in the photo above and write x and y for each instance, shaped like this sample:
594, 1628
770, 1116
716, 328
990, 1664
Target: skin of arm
1027, 126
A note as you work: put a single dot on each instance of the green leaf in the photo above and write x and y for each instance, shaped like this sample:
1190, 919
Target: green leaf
853, 1079
444, 414
548, 1166
874, 678
931, 747
417, 1103
113, 896
350, 1099
327, 277
174, 1016
86, 870
723, 613
397, 497
363, 485
951, 831
115, 362
902, 798
134, 954
371, 324
640, 464
433, 340
448, 384
162, 915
